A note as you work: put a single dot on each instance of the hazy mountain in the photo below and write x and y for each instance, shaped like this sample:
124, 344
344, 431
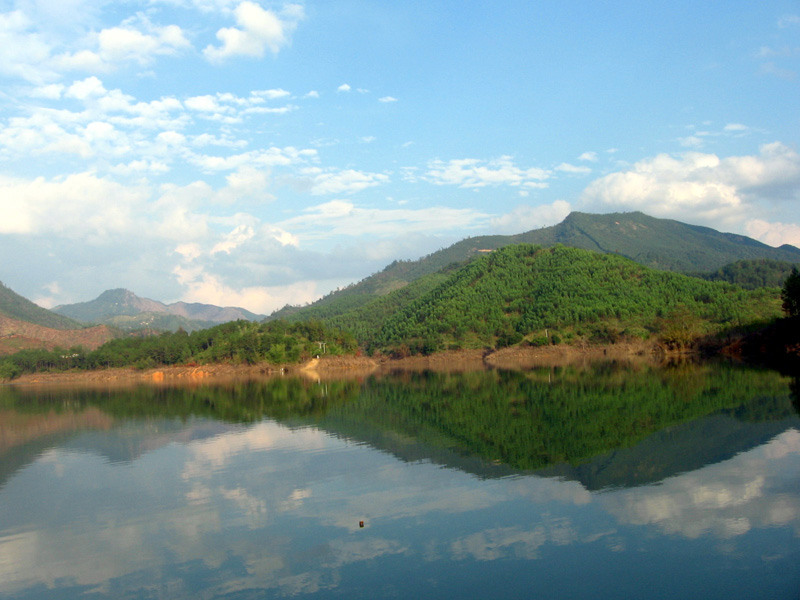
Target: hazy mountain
14, 306
662, 244
16, 335
124, 309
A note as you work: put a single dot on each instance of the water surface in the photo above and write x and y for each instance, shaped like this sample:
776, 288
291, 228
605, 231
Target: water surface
609, 482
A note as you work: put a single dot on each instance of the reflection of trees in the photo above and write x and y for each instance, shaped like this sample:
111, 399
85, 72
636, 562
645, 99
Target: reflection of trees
794, 389
525, 420
543, 417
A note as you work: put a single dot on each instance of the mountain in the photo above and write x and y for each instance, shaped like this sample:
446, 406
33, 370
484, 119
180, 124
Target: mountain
25, 325
752, 274
14, 306
125, 310
661, 244
18, 335
524, 291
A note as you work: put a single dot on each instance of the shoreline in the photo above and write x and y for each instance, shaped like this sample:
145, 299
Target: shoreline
337, 367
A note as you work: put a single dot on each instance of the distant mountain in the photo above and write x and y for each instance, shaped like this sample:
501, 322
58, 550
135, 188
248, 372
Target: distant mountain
662, 244
25, 325
752, 274
18, 335
14, 306
124, 309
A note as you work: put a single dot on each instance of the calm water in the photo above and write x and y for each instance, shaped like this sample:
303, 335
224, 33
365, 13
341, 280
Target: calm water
612, 482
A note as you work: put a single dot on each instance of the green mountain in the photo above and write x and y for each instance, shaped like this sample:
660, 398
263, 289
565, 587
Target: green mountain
524, 291
16, 307
125, 310
752, 274
657, 243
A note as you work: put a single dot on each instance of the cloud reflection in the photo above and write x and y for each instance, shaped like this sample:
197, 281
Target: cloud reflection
267, 507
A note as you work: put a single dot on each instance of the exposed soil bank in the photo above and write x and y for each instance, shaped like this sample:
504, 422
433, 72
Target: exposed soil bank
334, 367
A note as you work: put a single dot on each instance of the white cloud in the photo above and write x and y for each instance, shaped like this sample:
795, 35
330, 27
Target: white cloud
348, 181
691, 141
246, 184
724, 500
208, 288
574, 169
129, 43
774, 234
267, 157
736, 127
271, 94
525, 217
259, 30
343, 88
474, 173
23, 53
387, 99
588, 156
711, 189
340, 217
86, 88
76, 207
52, 91
234, 239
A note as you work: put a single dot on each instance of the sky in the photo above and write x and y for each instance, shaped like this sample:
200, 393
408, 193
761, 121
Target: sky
256, 154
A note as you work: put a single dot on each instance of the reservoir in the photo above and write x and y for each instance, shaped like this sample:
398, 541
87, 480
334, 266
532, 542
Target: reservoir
611, 480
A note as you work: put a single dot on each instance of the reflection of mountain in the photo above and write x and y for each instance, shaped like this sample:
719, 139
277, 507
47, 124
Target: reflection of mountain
609, 426
135, 438
24, 436
686, 447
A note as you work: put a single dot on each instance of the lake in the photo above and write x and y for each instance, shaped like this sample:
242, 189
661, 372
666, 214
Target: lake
609, 481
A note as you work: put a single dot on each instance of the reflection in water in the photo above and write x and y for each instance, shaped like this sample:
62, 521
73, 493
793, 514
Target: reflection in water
259, 490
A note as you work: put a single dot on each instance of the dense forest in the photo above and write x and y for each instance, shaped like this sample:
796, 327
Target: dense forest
238, 341
752, 274
536, 295
661, 244
517, 295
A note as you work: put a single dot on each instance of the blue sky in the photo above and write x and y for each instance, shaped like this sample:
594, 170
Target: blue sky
255, 154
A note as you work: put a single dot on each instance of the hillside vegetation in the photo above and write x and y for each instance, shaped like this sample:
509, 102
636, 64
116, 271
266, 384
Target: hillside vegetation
752, 274
14, 306
236, 342
661, 244
545, 295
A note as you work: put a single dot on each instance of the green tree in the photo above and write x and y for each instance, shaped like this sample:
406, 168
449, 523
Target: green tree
790, 294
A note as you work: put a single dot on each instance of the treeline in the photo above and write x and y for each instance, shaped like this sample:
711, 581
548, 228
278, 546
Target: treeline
548, 295
752, 274
276, 342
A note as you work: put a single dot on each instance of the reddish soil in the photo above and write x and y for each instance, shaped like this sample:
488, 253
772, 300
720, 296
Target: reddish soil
20, 335
336, 367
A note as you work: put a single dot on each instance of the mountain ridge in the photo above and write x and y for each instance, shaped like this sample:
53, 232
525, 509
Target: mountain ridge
19, 308
122, 308
662, 244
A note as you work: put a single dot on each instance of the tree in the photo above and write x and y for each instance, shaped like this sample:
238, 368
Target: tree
790, 294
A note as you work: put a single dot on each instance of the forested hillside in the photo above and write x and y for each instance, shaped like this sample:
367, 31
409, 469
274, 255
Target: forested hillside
14, 306
545, 295
657, 243
752, 274
236, 342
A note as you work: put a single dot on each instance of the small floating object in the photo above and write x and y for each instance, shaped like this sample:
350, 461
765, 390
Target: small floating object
361, 523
